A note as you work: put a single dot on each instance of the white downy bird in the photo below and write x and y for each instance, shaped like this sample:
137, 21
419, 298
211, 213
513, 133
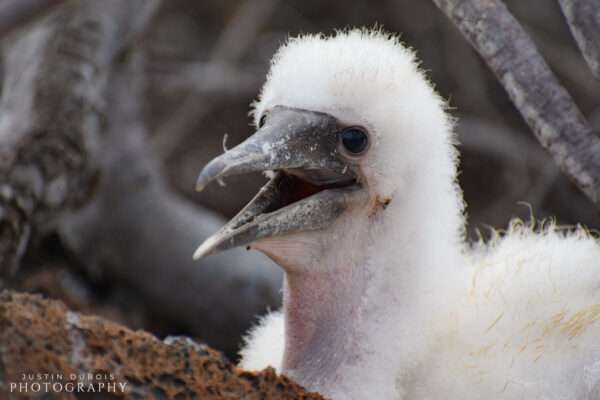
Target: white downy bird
383, 297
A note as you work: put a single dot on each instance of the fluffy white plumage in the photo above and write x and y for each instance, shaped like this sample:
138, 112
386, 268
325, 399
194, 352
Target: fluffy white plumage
264, 344
425, 315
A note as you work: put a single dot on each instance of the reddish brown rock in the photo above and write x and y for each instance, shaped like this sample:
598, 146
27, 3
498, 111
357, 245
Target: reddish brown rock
39, 336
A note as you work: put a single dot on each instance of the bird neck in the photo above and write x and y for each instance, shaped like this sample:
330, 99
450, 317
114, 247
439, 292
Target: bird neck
321, 309
382, 288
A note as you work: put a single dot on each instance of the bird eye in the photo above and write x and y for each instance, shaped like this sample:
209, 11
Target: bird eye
354, 140
262, 120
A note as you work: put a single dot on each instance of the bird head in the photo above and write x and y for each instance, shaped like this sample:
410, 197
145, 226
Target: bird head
348, 128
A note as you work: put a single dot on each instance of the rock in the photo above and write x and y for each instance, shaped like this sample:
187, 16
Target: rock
40, 336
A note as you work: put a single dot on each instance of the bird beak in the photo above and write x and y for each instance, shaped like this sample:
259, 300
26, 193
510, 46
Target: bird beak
311, 187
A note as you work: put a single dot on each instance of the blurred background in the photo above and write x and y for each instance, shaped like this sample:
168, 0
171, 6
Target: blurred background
205, 62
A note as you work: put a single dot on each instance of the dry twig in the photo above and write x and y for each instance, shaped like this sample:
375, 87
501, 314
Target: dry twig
544, 104
583, 17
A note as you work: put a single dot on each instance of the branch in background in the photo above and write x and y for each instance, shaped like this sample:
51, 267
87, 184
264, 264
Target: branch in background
136, 230
214, 80
542, 101
239, 34
568, 65
232, 45
50, 113
583, 17
16, 13
43, 337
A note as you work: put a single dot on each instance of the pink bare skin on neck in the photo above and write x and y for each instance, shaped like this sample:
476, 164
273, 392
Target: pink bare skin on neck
322, 308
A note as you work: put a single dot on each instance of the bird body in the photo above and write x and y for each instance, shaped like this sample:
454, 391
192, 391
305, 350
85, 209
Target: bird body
523, 326
383, 297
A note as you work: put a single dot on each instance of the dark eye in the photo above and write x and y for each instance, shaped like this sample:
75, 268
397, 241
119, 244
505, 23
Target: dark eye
354, 140
262, 120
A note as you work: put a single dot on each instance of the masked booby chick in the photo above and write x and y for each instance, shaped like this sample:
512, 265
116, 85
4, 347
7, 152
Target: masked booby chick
383, 299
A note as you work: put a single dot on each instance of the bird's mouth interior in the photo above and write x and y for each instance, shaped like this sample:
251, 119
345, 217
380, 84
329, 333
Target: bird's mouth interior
293, 186
288, 187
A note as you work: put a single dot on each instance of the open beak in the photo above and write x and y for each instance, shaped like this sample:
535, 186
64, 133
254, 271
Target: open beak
311, 187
